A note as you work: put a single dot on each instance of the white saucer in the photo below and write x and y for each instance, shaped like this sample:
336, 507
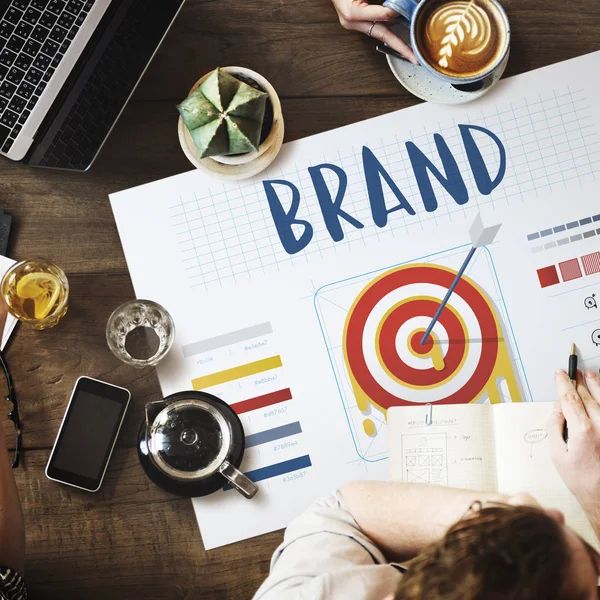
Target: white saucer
421, 83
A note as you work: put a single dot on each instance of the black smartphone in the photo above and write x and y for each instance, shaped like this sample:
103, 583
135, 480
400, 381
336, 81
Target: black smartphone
88, 434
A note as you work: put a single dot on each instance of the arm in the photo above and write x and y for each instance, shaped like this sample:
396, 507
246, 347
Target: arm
402, 518
325, 555
578, 461
12, 528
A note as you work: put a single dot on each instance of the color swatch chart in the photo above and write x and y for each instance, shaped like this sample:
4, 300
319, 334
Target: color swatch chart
573, 308
243, 367
565, 233
573, 268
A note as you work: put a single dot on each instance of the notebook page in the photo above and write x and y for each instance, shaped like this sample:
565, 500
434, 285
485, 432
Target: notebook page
456, 450
523, 462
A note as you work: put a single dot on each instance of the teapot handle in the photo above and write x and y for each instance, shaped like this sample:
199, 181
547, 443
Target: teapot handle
238, 480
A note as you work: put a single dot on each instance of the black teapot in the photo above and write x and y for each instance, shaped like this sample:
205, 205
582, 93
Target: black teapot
192, 444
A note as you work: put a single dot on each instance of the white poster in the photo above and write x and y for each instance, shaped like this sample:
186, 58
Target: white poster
300, 296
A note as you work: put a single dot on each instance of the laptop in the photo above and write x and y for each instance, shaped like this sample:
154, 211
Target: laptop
67, 70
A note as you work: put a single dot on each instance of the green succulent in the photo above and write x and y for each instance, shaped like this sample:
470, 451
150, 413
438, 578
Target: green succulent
224, 115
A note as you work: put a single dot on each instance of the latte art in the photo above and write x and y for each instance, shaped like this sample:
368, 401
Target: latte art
461, 38
467, 28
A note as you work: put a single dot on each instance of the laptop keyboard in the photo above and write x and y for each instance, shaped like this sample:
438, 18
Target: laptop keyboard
34, 36
100, 90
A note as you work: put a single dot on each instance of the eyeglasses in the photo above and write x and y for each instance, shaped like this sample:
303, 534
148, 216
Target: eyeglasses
477, 506
13, 413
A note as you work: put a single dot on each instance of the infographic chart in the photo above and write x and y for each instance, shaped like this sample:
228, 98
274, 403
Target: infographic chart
300, 296
380, 318
259, 392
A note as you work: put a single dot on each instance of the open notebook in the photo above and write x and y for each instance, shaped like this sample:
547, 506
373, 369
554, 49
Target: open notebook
493, 447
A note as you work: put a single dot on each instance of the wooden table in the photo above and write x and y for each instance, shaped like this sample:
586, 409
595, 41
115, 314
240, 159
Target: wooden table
131, 540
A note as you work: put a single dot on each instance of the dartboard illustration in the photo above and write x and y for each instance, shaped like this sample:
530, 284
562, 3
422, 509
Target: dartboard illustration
461, 361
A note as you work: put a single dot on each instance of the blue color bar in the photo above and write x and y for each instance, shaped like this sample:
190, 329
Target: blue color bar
560, 228
287, 466
270, 435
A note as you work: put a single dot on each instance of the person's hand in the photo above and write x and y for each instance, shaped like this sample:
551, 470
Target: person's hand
358, 15
578, 461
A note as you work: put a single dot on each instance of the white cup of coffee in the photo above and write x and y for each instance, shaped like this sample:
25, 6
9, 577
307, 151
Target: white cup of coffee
461, 42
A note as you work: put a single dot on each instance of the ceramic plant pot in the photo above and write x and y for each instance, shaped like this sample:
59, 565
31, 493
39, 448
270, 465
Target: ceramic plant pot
241, 166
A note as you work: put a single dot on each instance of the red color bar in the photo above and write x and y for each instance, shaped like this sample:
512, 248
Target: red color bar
262, 401
548, 276
570, 269
591, 263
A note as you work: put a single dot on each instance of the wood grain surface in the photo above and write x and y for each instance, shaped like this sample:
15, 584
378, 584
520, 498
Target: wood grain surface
131, 540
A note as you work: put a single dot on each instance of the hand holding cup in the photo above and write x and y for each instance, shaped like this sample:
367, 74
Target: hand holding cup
374, 21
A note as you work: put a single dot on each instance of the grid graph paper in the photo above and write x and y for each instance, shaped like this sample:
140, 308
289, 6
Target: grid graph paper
227, 235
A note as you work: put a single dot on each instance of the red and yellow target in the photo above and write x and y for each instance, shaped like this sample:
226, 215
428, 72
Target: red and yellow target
463, 360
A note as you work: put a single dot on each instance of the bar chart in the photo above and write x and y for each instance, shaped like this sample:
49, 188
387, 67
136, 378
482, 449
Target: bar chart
243, 368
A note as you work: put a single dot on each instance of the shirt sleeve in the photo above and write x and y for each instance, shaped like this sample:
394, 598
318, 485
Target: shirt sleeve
12, 586
325, 555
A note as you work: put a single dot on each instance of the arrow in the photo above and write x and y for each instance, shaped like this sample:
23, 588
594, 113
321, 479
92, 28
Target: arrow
480, 236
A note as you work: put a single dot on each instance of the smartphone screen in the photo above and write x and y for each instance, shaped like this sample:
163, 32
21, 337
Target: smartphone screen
88, 433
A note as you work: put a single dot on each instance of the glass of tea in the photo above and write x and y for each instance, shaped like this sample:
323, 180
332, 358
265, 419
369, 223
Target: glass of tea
36, 292
140, 333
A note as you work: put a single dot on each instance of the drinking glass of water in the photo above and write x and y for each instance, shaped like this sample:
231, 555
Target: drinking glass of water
140, 333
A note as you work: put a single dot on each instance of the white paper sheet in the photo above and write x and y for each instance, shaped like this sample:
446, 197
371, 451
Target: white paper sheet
248, 285
9, 326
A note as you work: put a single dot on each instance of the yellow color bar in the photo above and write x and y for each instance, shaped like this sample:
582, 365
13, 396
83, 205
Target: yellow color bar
252, 368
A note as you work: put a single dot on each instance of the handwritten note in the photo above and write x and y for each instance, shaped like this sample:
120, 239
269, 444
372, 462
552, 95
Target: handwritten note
492, 447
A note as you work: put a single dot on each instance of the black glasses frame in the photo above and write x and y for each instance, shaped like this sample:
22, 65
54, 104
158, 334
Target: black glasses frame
13, 413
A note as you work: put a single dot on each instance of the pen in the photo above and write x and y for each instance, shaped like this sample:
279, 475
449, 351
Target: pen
573, 377
573, 365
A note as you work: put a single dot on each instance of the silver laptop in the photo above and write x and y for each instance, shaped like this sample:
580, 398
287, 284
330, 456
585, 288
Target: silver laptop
52, 54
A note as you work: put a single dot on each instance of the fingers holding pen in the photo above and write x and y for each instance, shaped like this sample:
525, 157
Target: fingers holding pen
571, 403
556, 430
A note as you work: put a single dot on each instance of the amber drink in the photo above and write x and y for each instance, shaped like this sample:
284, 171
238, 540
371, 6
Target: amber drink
36, 292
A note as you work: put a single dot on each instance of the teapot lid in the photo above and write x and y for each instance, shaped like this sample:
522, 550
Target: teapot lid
189, 439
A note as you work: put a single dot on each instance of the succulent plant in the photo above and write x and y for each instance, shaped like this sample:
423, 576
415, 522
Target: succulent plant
224, 115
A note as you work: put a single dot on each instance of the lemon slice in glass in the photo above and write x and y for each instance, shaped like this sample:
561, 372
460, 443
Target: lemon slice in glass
43, 289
